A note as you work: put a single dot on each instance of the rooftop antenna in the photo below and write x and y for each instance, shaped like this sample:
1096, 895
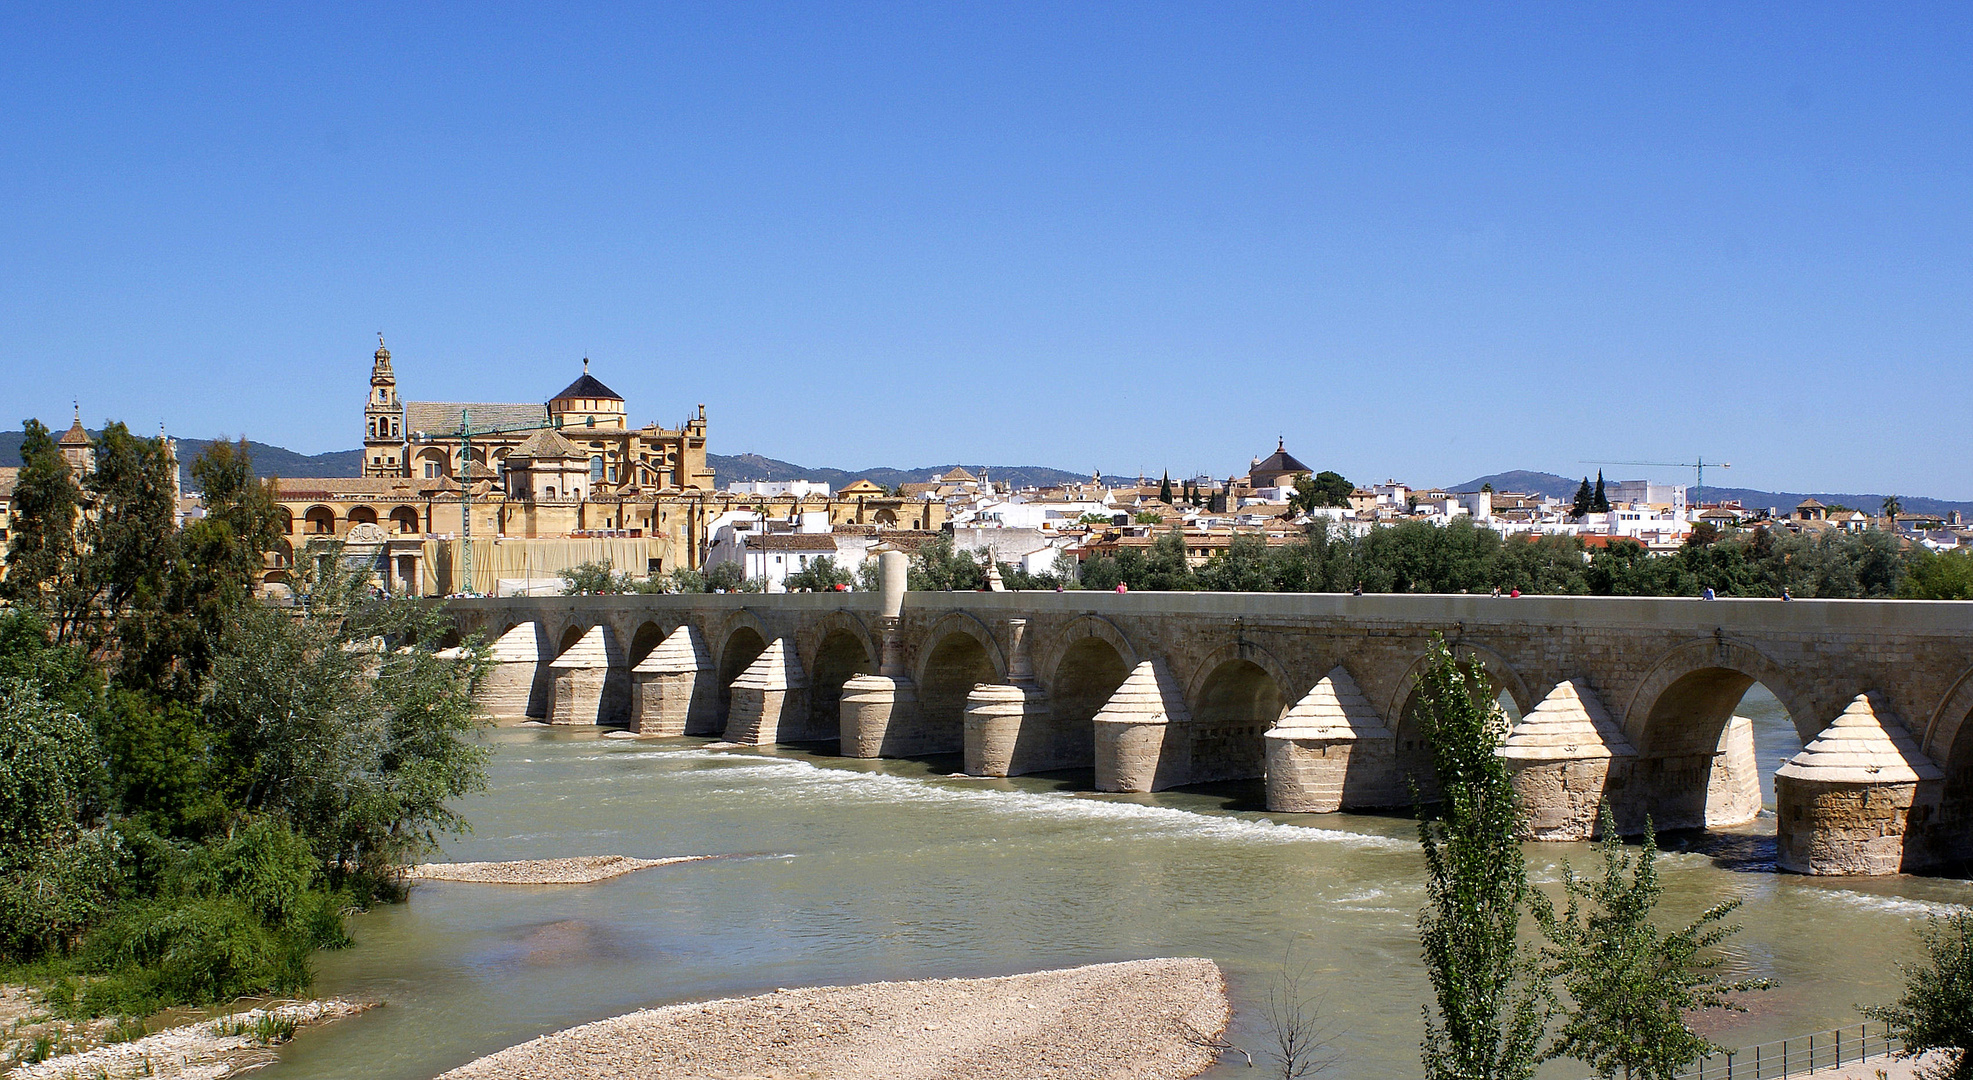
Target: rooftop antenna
1698, 467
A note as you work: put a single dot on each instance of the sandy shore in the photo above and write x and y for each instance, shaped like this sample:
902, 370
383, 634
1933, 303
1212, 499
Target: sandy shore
578, 870
207, 1050
1141, 1020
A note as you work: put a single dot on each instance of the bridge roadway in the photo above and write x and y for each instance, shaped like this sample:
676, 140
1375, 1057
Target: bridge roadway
1628, 700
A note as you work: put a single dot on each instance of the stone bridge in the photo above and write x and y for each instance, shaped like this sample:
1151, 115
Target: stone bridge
1629, 700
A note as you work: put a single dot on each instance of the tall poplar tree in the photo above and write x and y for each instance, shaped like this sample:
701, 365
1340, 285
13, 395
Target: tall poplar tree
1489, 1014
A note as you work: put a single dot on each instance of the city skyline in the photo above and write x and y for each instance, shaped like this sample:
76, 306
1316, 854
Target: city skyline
1415, 242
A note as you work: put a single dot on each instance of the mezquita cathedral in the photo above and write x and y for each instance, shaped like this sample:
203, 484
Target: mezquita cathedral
537, 488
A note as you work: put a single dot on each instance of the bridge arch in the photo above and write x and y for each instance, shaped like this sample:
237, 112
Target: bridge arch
1076, 632
1706, 678
1082, 674
742, 637
957, 653
1237, 693
940, 634
646, 637
1505, 679
1943, 727
842, 649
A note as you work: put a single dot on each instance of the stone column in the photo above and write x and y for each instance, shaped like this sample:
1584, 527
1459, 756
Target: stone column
879, 713
675, 690
1007, 729
592, 683
770, 700
1565, 758
520, 683
1143, 733
1844, 803
1332, 752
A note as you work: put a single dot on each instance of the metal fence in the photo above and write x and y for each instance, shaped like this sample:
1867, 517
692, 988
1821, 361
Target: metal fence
1799, 1056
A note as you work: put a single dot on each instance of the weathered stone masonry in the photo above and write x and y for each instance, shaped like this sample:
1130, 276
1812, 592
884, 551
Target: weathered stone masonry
1625, 699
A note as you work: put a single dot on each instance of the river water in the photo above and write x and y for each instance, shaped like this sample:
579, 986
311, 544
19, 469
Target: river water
844, 871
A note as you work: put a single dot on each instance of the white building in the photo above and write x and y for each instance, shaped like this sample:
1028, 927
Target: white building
1646, 493
770, 489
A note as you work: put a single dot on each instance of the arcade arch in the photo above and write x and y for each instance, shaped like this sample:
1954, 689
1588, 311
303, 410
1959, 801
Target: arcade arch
1088, 673
743, 646
950, 671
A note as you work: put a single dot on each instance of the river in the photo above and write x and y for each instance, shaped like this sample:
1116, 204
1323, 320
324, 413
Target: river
848, 871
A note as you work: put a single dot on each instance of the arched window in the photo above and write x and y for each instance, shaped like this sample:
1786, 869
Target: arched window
596, 469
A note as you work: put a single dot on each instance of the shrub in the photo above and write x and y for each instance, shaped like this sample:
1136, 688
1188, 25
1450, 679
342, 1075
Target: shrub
189, 950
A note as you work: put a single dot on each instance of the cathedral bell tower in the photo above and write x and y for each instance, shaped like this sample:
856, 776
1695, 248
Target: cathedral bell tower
383, 420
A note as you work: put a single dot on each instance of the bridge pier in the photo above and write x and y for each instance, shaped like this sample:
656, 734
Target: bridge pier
879, 713
1565, 758
675, 690
520, 683
770, 700
1008, 726
1847, 802
592, 684
1331, 752
1144, 733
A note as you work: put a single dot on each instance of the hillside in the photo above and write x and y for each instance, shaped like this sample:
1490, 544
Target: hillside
267, 460
1562, 487
728, 469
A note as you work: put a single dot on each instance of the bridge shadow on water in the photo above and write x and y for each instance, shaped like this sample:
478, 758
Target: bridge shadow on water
1741, 852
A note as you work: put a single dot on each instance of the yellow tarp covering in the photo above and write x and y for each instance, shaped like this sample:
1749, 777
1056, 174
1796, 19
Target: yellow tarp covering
516, 558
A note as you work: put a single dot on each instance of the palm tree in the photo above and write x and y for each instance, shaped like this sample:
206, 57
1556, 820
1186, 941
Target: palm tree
1892, 508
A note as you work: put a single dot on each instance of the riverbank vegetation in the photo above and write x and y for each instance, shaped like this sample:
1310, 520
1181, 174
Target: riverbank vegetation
197, 787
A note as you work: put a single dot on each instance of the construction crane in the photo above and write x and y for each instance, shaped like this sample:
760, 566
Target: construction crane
465, 435
1698, 467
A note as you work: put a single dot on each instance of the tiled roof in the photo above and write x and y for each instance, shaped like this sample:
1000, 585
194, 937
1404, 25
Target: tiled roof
547, 445
588, 387
359, 487
958, 475
1280, 461
793, 542
445, 417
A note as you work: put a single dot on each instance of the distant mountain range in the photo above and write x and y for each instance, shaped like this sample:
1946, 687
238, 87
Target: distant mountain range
744, 467
1563, 487
267, 460
276, 461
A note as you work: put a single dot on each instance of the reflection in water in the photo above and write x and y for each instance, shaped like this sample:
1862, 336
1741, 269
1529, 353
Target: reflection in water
891, 870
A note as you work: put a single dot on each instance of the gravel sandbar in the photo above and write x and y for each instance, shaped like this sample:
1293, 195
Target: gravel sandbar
578, 870
207, 1050
1139, 1020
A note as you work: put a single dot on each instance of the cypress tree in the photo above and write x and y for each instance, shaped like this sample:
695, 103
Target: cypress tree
1599, 502
1584, 500
1164, 489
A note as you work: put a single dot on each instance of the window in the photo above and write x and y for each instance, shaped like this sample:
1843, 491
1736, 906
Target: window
431, 470
595, 469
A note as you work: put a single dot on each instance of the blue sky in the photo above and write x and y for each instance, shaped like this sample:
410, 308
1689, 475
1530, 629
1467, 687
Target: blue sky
1425, 242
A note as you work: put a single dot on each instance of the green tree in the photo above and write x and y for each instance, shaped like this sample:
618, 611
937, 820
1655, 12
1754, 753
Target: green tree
939, 567
1599, 503
1933, 575
1893, 506
43, 563
1489, 1014
1148, 517
1935, 1012
1629, 985
1585, 499
820, 575
347, 726
1164, 490
595, 579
